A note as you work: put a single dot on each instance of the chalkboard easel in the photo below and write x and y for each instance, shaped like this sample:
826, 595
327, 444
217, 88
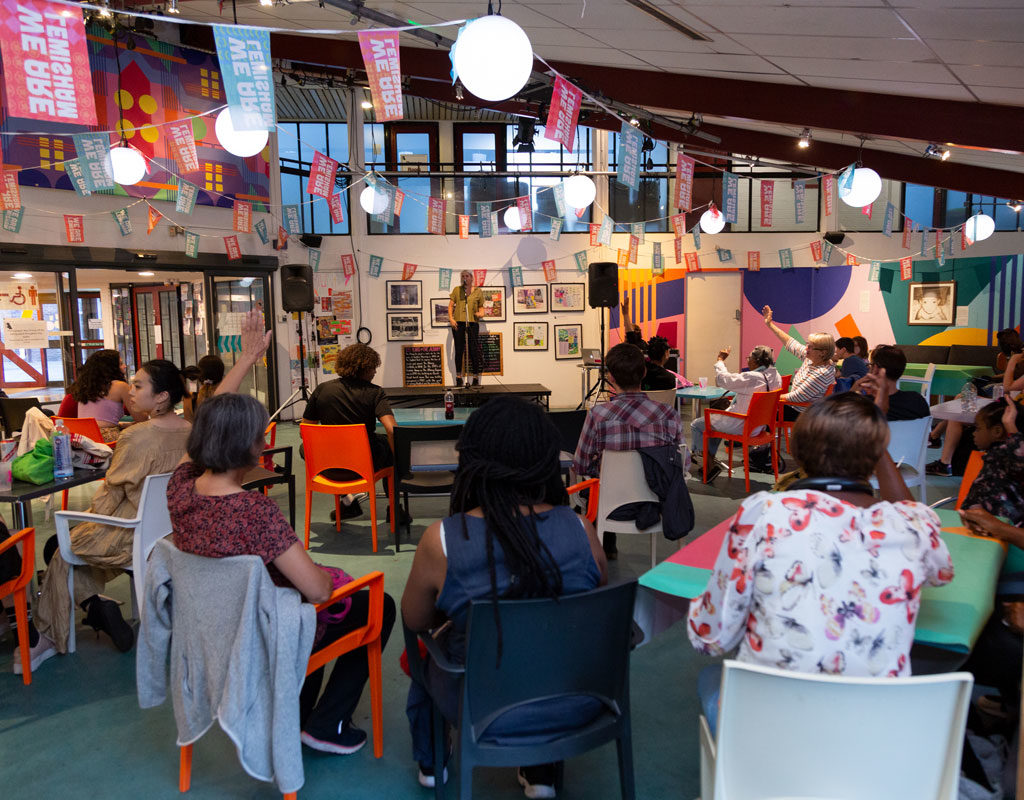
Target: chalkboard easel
490, 350
422, 365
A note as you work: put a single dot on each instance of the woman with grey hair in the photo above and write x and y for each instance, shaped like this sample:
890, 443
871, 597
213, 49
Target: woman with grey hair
761, 376
817, 373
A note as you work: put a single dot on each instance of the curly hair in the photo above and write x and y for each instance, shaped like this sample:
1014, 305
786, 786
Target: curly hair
93, 381
356, 360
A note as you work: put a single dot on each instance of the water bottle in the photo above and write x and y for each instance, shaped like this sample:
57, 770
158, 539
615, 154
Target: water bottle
62, 467
971, 393
449, 404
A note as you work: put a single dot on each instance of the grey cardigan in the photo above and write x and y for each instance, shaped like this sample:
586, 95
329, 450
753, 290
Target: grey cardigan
238, 648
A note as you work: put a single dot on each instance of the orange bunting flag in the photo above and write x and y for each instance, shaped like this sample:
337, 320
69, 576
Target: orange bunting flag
906, 268
754, 260
549, 270
74, 226
154, 217
242, 218
463, 226
408, 270
231, 245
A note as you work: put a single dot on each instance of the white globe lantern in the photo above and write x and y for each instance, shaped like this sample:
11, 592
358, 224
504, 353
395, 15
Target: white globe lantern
580, 191
372, 201
238, 143
979, 227
492, 57
865, 189
512, 220
712, 221
127, 164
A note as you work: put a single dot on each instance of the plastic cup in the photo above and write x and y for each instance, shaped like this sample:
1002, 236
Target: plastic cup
703, 383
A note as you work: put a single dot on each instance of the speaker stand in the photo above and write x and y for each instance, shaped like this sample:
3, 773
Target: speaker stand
302, 393
602, 380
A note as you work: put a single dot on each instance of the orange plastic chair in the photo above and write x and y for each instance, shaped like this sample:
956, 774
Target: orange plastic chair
90, 429
343, 447
367, 636
786, 425
762, 412
974, 465
18, 587
270, 435
594, 484
786, 380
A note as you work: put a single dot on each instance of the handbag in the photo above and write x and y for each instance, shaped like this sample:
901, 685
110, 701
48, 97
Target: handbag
35, 466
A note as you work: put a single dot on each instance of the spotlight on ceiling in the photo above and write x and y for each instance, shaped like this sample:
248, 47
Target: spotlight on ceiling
1015, 205
805, 139
366, 104
934, 151
172, 7
634, 122
266, 2
525, 131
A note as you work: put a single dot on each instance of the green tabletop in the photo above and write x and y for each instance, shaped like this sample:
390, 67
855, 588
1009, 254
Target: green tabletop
420, 417
949, 378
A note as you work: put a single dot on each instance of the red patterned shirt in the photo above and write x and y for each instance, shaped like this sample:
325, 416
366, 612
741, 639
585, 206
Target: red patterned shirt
628, 421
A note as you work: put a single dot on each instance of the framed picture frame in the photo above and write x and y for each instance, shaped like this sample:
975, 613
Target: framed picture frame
494, 303
404, 326
568, 297
931, 303
438, 311
529, 335
568, 342
530, 299
403, 295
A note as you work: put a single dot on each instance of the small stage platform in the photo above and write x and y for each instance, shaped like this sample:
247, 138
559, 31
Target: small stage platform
416, 396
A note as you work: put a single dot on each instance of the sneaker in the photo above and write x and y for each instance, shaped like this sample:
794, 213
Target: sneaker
403, 516
427, 779
351, 511
348, 740
43, 650
936, 467
537, 791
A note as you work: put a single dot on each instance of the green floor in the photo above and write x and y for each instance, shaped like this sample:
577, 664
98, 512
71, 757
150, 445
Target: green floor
78, 730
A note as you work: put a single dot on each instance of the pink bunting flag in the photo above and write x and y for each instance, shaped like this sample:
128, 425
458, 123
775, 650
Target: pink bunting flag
10, 193
907, 230
595, 228
684, 182
828, 192
634, 247
692, 262
435, 215
348, 266
74, 227
563, 113
964, 241
399, 200
408, 270
153, 217
181, 141
232, 248
767, 202
242, 218
337, 211
678, 243
679, 225
282, 238
816, 249
321, 176
463, 226
906, 268
866, 210
525, 213
382, 61
851, 260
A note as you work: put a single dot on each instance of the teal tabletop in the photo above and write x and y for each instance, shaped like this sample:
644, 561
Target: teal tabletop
695, 392
949, 379
428, 416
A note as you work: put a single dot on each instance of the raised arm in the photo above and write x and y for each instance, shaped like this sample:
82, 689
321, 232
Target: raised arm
1009, 384
627, 320
255, 341
766, 313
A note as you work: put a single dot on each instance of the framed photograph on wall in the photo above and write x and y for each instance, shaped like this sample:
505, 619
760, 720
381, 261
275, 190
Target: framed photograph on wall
494, 303
404, 326
530, 299
404, 295
568, 341
438, 310
568, 297
932, 303
530, 335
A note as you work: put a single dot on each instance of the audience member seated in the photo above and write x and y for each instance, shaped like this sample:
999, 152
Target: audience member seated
999, 487
854, 367
213, 516
816, 373
633, 335
761, 376
100, 390
882, 385
629, 421
147, 448
208, 374
510, 534
657, 377
823, 577
353, 399
860, 347
1009, 342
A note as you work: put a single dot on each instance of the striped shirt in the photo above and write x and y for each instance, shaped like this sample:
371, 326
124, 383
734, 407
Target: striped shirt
809, 382
628, 421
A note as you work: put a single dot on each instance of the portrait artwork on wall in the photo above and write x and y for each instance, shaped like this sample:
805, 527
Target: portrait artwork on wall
530, 299
530, 336
439, 312
932, 303
494, 303
568, 297
568, 341
404, 294
405, 326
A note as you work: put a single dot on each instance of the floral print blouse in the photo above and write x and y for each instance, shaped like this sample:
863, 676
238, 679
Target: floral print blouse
999, 487
808, 582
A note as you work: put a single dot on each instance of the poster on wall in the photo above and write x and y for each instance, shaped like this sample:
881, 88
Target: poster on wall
404, 326
439, 312
530, 336
931, 303
530, 299
568, 341
404, 294
568, 297
22, 334
493, 303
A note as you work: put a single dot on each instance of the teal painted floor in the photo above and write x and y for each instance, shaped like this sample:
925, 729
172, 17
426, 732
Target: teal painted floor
78, 731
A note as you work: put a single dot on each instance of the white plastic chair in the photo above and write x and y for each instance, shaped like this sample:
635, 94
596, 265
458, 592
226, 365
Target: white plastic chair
623, 481
152, 523
908, 446
667, 397
784, 734
924, 384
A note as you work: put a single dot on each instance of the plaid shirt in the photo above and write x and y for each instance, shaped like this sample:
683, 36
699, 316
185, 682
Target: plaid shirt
628, 421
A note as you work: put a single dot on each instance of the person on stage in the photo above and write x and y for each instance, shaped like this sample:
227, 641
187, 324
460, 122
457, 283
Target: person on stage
465, 308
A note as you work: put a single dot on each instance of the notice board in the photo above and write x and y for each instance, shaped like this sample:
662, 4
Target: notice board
422, 365
490, 349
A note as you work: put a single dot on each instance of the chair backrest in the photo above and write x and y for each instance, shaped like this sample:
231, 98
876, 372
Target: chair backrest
576, 644
27, 538
839, 737
408, 436
570, 426
622, 481
336, 447
270, 435
908, 441
786, 380
12, 412
762, 411
974, 465
155, 525
923, 384
667, 397
86, 426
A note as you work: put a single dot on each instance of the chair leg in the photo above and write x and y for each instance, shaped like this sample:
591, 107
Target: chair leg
337, 513
624, 745
376, 697
373, 514
746, 465
291, 500
440, 749
309, 502
704, 454
21, 616
775, 457
185, 769
71, 617
729, 445
391, 499
64, 500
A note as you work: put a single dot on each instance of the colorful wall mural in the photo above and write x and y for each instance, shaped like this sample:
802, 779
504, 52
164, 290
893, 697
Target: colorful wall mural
656, 304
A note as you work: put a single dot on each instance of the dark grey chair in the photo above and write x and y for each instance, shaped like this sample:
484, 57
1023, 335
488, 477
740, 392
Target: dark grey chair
261, 478
13, 410
569, 425
423, 483
552, 648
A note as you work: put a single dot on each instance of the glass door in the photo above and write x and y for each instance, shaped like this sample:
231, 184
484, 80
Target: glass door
90, 323
157, 323
231, 299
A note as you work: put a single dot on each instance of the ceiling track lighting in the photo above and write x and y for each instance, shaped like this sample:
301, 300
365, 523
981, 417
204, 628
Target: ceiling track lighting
525, 131
105, 11
1015, 205
172, 7
458, 90
805, 139
935, 151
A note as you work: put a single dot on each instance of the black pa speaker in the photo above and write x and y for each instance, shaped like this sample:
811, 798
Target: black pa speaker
297, 287
604, 284
834, 237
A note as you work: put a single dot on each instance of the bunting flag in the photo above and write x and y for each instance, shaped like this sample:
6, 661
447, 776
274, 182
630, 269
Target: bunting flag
634, 248
124, 223
322, 173
595, 231
188, 193
463, 226
851, 260
622, 257
826, 252
11, 220
692, 262
336, 208
846, 181
282, 238
261, 231
46, 62
964, 241
494, 222
767, 201
799, 201
290, 219
630, 143
942, 257
386, 192
906, 232
10, 193
181, 141
828, 191
245, 68
399, 202
604, 235
938, 244
74, 227
724, 256
483, 214
515, 276
678, 245
191, 244
657, 261
754, 260
924, 242
525, 213
479, 277
558, 193
549, 270
556, 229
348, 266
73, 169
313, 255
889, 222
376, 262
382, 60
581, 261
242, 218
816, 250
154, 217
563, 113
444, 279
876, 271
408, 270
730, 197
435, 215
231, 246
683, 199
637, 230
695, 230
866, 210
906, 268
786, 258
93, 151
679, 225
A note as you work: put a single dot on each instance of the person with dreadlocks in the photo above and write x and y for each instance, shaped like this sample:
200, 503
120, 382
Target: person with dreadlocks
510, 534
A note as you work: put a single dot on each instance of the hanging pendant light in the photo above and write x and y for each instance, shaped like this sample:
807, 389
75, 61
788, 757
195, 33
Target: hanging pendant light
580, 191
492, 57
127, 164
864, 190
239, 143
512, 219
372, 201
979, 227
712, 221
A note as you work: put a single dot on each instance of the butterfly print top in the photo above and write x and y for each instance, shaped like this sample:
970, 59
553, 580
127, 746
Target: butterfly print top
807, 582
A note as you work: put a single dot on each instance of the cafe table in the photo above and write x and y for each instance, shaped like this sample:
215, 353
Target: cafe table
953, 410
949, 379
21, 494
698, 395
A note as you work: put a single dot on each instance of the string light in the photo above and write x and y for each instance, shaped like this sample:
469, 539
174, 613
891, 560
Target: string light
240, 143
493, 57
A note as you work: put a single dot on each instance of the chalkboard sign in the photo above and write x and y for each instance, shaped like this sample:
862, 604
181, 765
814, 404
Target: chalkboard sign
422, 365
490, 348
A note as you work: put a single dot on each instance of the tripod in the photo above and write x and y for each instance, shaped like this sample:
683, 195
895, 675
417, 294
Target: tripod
302, 393
602, 380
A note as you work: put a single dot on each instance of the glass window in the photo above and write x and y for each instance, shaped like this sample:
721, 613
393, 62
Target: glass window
297, 143
406, 147
748, 216
650, 204
479, 149
854, 219
919, 204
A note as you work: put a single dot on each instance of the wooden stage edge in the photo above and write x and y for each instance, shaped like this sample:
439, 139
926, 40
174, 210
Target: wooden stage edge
419, 396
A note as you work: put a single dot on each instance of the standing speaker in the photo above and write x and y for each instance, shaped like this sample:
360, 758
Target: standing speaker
297, 287
604, 284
